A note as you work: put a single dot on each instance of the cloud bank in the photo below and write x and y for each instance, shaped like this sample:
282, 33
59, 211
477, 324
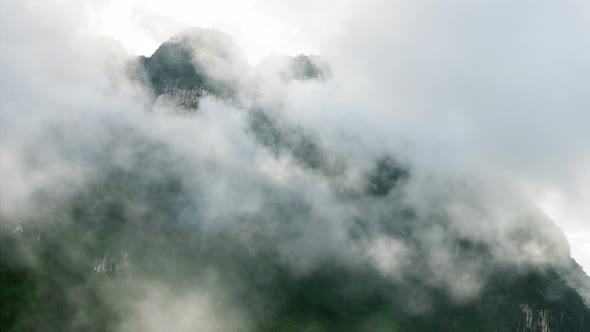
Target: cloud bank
418, 163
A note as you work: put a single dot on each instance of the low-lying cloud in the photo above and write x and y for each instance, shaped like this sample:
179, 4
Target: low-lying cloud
466, 125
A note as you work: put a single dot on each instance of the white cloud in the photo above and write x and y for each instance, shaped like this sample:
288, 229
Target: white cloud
483, 112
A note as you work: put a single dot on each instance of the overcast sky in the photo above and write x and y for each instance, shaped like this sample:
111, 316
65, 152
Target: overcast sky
497, 87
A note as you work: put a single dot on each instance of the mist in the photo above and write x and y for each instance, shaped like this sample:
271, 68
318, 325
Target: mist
416, 166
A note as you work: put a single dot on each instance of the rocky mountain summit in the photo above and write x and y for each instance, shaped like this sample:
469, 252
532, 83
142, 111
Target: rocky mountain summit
197, 62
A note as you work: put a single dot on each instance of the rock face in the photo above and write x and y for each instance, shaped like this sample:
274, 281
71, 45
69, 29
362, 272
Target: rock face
111, 263
543, 320
193, 63
88, 261
196, 58
183, 98
197, 62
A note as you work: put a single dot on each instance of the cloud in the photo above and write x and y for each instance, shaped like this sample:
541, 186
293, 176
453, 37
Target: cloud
485, 120
484, 88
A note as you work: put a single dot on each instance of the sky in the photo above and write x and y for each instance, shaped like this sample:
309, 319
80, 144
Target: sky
257, 26
531, 51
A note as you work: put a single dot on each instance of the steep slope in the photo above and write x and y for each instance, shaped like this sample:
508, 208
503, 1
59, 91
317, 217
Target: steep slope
84, 265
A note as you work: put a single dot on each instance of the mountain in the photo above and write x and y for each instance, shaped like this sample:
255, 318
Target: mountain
197, 62
196, 59
159, 238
